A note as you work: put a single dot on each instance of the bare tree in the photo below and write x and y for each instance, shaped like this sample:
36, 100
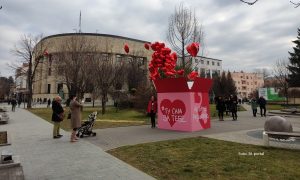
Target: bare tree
253, 2
281, 73
107, 72
183, 29
73, 64
5, 84
30, 48
264, 71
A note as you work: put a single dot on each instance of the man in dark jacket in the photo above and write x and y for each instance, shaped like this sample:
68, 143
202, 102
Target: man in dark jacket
57, 116
233, 101
220, 107
262, 105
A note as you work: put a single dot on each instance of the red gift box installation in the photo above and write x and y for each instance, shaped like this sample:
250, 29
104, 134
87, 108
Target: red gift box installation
181, 107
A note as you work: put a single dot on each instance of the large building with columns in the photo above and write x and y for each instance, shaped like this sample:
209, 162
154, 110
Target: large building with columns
48, 83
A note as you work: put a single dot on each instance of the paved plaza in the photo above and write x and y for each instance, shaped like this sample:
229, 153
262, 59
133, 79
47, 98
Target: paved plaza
43, 157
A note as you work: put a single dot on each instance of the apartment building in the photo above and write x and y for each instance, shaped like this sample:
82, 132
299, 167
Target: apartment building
247, 83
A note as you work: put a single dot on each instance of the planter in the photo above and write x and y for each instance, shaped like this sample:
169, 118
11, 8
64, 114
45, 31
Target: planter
183, 105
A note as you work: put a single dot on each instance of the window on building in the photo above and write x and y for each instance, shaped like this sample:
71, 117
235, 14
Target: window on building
214, 73
105, 57
202, 62
213, 63
202, 72
49, 88
49, 71
196, 61
207, 62
218, 64
196, 69
118, 58
208, 73
59, 87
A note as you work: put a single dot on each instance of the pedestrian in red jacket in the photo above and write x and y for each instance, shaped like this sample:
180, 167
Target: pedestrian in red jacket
152, 110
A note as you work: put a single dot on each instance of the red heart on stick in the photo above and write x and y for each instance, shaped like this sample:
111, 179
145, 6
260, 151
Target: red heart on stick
193, 49
126, 48
147, 46
172, 111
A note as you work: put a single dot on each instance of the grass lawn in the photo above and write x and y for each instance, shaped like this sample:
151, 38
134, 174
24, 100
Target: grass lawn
204, 158
126, 117
274, 107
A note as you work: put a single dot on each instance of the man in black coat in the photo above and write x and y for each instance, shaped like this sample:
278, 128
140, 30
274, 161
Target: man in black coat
220, 106
262, 105
57, 116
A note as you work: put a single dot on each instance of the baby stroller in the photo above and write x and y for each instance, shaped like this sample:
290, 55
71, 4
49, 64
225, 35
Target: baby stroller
87, 126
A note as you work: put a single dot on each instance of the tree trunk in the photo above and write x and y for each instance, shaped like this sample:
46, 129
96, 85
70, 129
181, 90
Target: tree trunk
182, 51
29, 79
104, 96
103, 105
93, 102
286, 95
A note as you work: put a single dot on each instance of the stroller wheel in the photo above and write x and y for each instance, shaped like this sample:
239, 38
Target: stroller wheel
94, 134
77, 134
81, 136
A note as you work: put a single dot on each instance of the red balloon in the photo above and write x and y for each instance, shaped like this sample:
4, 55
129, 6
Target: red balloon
146, 45
188, 48
174, 56
193, 49
126, 48
193, 75
46, 52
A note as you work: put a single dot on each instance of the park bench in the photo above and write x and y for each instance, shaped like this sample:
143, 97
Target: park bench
281, 135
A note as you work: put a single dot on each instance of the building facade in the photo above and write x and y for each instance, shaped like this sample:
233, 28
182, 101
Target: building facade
206, 67
247, 83
21, 88
48, 83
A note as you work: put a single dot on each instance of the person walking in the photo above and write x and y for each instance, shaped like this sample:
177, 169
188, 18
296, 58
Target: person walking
19, 103
48, 103
57, 116
75, 108
233, 107
262, 105
13, 104
254, 106
152, 110
220, 107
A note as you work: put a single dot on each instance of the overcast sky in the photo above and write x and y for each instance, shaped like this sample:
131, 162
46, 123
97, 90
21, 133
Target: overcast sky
244, 37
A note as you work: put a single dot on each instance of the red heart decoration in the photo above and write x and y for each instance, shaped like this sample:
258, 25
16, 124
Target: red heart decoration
146, 45
126, 48
173, 111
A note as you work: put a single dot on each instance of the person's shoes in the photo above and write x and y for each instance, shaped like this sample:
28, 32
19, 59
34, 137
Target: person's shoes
73, 140
60, 135
56, 137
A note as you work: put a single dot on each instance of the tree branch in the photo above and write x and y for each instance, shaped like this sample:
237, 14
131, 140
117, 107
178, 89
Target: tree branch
296, 4
249, 3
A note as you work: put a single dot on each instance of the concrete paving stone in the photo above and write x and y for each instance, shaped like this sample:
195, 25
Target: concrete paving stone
43, 157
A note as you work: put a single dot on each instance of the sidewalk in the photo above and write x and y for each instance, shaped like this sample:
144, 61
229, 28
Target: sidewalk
43, 157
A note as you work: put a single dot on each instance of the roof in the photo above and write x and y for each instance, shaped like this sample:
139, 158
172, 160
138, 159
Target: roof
93, 34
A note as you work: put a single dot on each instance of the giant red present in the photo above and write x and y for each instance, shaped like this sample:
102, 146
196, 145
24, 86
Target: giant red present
183, 105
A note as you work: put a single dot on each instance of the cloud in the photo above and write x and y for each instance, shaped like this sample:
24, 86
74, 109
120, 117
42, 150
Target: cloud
244, 37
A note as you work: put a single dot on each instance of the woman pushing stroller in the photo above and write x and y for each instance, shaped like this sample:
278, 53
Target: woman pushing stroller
76, 109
